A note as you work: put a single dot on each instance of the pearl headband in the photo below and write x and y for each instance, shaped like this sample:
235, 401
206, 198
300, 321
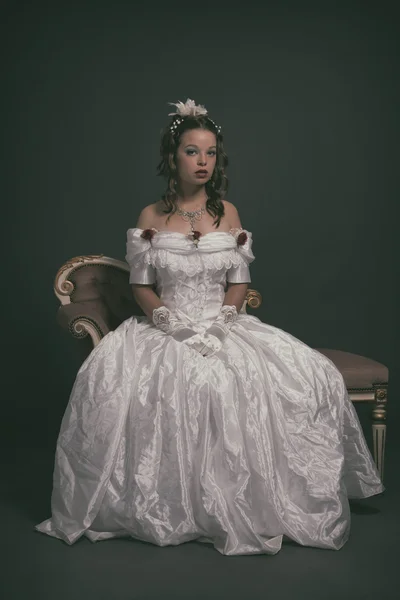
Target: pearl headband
188, 109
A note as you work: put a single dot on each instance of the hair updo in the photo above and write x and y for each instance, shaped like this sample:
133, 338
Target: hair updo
216, 187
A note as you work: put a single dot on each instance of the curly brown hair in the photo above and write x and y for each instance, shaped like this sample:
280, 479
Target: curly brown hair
216, 187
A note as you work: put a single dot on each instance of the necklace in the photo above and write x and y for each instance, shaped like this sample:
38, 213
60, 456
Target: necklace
191, 215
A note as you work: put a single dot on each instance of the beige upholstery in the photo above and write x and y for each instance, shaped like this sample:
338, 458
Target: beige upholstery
358, 371
96, 297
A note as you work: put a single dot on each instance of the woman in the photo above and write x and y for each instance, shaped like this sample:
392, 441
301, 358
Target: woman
198, 421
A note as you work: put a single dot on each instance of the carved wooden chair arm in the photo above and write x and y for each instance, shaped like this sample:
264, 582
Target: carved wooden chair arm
81, 319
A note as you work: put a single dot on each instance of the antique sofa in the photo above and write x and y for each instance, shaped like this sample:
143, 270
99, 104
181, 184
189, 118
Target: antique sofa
96, 297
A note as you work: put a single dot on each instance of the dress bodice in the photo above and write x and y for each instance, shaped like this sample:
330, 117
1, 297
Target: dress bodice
190, 275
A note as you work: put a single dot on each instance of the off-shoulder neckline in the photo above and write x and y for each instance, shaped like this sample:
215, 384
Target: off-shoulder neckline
203, 235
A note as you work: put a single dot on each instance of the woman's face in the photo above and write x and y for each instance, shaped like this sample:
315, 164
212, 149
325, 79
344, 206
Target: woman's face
196, 156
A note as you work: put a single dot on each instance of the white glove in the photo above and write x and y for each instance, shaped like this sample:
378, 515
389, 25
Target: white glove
215, 335
171, 325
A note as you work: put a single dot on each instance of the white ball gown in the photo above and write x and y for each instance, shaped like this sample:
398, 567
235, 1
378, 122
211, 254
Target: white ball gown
247, 448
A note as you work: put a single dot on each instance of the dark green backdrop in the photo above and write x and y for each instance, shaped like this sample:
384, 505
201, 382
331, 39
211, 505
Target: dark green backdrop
308, 98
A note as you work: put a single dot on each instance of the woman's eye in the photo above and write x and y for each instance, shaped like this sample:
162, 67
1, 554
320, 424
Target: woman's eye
192, 152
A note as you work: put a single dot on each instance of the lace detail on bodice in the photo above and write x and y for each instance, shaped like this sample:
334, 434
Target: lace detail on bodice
191, 264
215, 251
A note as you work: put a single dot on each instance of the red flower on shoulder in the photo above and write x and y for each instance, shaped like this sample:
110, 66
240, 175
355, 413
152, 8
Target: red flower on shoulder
147, 234
241, 238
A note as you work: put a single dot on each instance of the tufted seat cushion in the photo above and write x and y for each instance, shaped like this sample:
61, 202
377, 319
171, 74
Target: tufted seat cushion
358, 371
105, 289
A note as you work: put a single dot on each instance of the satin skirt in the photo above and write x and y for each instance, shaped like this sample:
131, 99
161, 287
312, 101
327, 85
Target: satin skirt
244, 449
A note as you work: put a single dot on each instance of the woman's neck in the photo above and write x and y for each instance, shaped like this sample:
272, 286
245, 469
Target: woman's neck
191, 197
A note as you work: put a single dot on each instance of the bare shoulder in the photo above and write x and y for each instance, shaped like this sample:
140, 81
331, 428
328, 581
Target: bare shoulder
148, 216
231, 214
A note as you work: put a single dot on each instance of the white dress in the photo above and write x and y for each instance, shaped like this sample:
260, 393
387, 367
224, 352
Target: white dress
247, 448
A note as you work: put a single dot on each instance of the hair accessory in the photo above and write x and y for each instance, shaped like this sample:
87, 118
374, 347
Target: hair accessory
189, 109
175, 124
217, 127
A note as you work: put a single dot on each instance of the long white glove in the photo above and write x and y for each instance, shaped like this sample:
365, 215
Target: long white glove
171, 325
214, 336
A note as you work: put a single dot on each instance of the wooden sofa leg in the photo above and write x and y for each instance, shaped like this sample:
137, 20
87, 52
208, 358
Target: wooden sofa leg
379, 427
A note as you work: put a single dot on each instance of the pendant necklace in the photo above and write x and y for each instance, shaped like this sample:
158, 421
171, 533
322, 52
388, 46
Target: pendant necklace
191, 216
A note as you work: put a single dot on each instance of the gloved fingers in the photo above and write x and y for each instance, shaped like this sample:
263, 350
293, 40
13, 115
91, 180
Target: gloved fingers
213, 341
206, 345
218, 332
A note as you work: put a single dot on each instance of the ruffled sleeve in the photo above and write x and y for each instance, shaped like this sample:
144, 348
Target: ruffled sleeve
138, 257
241, 273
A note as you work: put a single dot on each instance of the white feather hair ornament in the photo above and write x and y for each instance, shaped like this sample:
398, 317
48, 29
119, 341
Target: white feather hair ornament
188, 109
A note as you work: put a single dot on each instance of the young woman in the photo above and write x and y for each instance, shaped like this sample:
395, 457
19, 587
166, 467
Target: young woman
198, 421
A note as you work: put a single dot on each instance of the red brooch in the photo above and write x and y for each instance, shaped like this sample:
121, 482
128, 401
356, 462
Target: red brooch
196, 235
241, 238
147, 234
